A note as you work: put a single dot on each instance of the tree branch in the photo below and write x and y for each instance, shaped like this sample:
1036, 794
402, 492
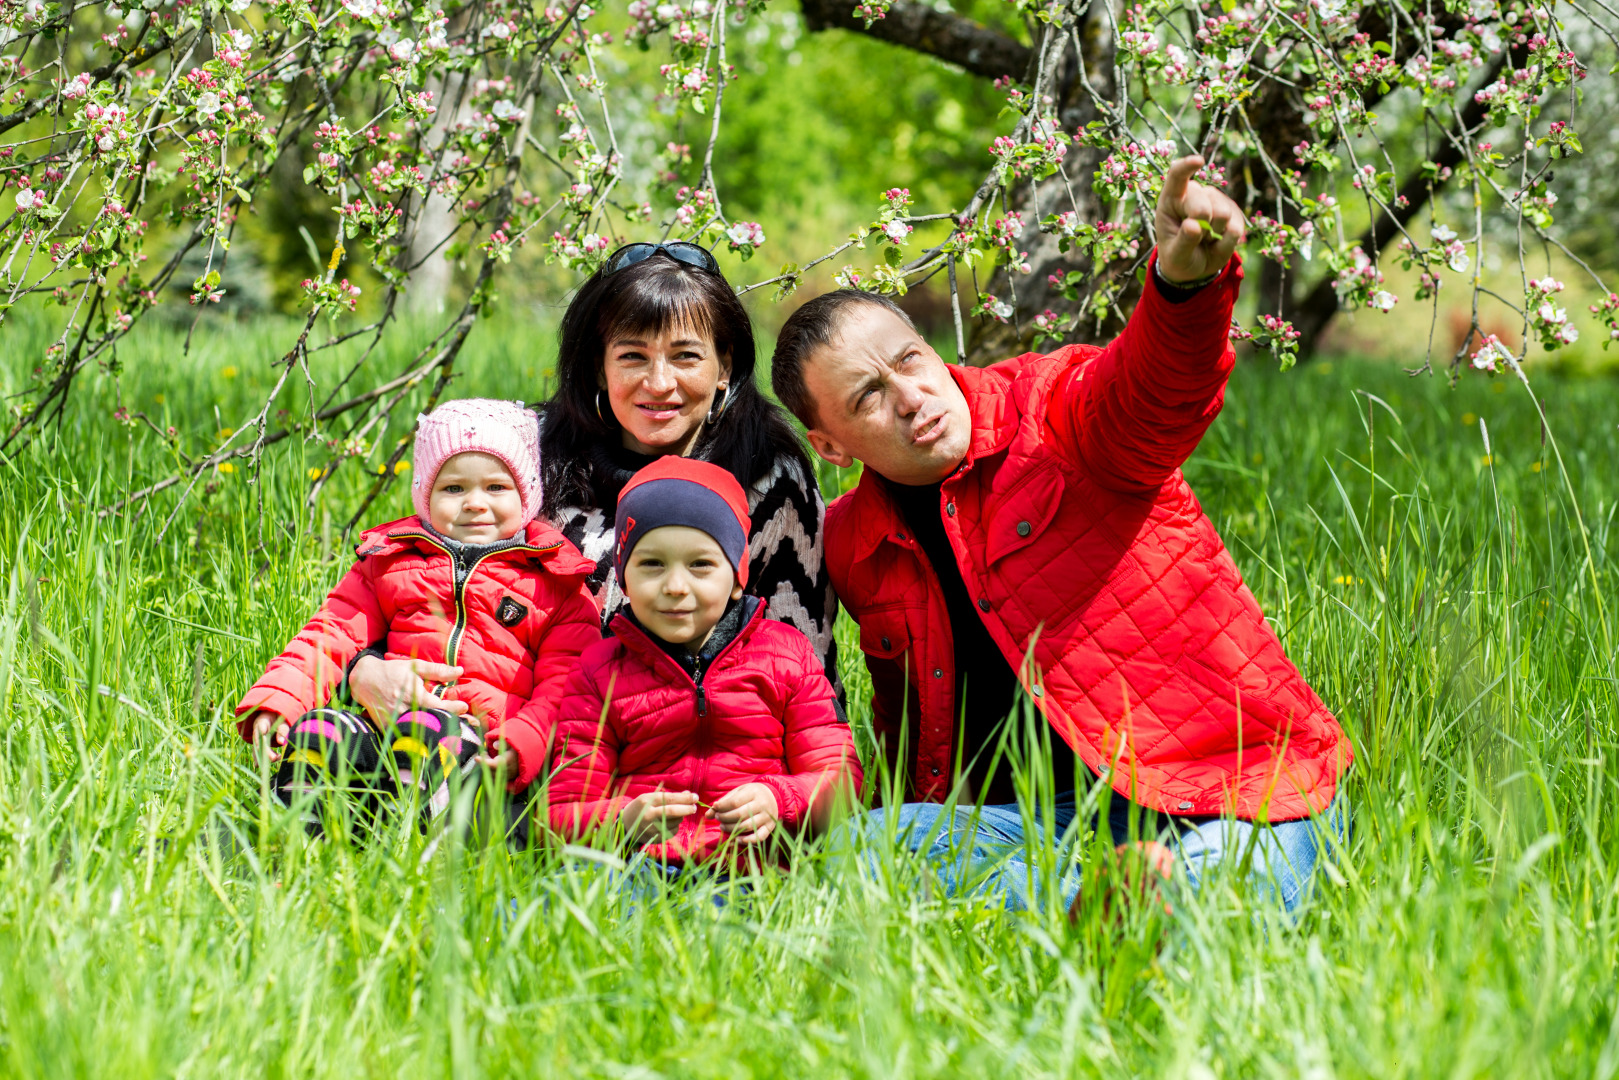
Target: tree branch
943, 34
1312, 314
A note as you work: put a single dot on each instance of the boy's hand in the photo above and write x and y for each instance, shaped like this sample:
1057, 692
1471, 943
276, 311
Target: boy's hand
270, 731
748, 813
504, 764
1198, 227
656, 814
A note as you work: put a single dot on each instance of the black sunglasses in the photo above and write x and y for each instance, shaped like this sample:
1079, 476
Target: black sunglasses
679, 250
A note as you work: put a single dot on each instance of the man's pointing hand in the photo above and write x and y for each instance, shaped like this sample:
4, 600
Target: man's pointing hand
1198, 227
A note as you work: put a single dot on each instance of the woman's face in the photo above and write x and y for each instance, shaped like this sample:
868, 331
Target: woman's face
661, 387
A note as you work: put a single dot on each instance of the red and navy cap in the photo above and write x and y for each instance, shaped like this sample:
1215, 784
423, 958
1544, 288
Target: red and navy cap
682, 491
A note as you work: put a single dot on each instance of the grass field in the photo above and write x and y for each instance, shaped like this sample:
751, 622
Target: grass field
158, 918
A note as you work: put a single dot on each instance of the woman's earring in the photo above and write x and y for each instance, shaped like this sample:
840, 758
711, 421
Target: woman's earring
599, 415
717, 410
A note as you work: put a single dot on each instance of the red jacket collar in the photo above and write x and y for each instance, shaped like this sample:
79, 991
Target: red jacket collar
988, 391
639, 641
561, 557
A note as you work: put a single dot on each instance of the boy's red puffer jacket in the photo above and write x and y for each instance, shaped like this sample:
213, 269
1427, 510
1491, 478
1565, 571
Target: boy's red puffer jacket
515, 616
633, 721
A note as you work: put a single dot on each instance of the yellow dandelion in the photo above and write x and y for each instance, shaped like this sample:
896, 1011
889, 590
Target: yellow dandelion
1534, 467
1346, 579
315, 474
225, 433
1469, 419
1324, 367
401, 466
158, 399
226, 467
1487, 459
229, 371
1258, 459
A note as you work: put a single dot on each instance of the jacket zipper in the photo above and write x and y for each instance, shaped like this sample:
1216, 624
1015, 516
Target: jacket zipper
697, 680
461, 573
704, 735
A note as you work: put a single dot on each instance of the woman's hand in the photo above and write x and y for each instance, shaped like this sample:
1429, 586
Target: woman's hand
386, 688
656, 814
270, 731
1198, 227
748, 813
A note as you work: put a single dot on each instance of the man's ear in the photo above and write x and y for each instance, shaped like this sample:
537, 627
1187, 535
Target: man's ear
829, 448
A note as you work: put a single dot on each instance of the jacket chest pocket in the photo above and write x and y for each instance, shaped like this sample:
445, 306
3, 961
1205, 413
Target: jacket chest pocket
1020, 516
883, 634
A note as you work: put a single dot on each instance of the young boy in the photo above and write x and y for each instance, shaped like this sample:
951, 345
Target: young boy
699, 717
471, 580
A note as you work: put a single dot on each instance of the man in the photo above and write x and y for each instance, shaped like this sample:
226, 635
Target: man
1025, 528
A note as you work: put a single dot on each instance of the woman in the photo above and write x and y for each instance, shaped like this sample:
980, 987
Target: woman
656, 357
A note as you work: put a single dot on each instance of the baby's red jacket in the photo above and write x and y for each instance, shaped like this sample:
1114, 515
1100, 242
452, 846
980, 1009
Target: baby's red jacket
514, 615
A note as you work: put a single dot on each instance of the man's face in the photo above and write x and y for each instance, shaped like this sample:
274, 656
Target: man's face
883, 396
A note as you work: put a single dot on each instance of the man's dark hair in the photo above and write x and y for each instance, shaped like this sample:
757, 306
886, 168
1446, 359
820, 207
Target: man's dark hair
812, 327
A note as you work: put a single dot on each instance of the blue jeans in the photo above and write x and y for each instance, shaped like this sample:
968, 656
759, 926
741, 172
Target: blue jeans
987, 852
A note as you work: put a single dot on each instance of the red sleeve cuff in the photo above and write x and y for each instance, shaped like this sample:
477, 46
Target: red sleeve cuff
1200, 323
531, 747
790, 801
269, 699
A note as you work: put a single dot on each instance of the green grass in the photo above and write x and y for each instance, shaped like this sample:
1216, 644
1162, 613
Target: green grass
158, 918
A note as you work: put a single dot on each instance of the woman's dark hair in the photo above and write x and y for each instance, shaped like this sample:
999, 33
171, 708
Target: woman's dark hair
644, 299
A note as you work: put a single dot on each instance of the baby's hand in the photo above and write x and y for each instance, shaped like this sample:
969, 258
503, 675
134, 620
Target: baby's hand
655, 814
270, 730
748, 813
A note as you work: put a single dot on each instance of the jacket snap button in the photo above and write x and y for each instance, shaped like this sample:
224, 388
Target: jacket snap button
938, 673
950, 508
935, 770
1024, 528
1035, 690
1184, 806
886, 645
983, 604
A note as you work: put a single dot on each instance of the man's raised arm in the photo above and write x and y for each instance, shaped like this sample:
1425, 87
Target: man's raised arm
1137, 412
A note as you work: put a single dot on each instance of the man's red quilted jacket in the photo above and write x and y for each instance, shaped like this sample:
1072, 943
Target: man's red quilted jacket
633, 721
515, 617
1078, 538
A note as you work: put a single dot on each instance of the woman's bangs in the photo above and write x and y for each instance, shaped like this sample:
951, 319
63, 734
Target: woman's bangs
655, 302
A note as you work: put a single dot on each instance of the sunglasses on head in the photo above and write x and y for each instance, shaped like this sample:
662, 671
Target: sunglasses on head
678, 250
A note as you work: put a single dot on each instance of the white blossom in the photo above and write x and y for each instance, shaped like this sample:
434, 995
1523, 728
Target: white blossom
208, 104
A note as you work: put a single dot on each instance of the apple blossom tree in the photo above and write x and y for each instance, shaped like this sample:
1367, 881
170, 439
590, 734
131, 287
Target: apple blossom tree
1354, 133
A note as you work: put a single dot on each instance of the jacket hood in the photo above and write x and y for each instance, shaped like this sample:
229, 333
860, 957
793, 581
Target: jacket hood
639, 639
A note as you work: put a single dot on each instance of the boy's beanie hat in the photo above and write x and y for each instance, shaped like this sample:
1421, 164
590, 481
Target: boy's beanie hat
683, 491
502, 429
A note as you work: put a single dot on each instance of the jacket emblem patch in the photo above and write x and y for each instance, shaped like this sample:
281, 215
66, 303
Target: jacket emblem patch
510, 612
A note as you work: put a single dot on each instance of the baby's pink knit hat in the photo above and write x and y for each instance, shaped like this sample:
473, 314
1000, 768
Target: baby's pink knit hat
503, 429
